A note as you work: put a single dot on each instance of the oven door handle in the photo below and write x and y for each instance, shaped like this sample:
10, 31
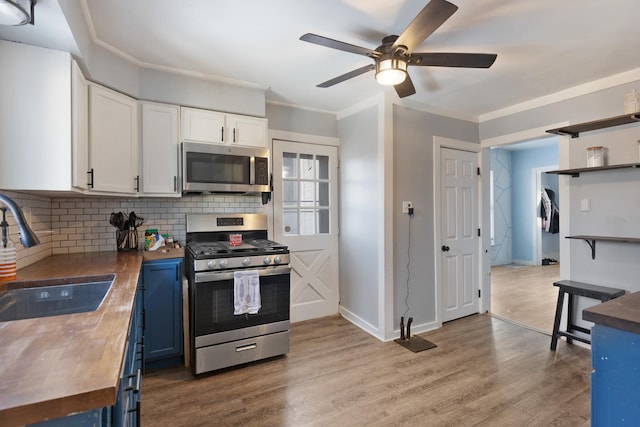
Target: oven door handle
216, 276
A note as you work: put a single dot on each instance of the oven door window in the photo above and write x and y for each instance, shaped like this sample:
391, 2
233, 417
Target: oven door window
218, 168
214, 305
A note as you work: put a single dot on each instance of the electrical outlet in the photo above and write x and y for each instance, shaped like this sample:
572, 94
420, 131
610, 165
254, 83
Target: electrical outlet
406, 206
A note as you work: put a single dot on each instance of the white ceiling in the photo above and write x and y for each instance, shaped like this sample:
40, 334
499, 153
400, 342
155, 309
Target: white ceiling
543, 46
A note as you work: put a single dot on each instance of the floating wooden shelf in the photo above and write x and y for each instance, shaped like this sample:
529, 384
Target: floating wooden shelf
591, 241
575, 130
576, 172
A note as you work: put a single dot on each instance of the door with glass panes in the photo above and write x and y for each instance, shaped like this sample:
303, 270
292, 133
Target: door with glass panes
305, 218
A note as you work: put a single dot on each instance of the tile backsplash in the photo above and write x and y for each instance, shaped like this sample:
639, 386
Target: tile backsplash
81, 224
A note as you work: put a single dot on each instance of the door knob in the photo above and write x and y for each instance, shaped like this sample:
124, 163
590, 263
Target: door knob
445, 248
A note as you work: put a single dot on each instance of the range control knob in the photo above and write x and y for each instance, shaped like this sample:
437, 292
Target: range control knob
211, 264
277, 259
266, 261
223, 263
246, 262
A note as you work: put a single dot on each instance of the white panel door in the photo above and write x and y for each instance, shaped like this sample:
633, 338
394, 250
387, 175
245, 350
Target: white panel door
305, 201
459, 249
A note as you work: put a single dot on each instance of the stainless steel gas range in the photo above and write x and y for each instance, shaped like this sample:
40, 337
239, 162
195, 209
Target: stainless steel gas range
220, 251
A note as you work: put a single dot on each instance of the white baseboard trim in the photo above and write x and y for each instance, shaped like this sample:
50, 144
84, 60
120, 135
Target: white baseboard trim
360, 323
372, 330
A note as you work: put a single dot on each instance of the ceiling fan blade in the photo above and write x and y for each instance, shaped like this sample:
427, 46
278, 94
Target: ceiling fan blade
444, 59
405, 88
434, 14
335, 44
347, 76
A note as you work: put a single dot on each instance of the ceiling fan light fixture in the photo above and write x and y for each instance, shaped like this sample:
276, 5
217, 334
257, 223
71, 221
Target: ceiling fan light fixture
16, 12
391, 71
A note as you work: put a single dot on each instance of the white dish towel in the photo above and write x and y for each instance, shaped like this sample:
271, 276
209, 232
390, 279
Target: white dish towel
246, 292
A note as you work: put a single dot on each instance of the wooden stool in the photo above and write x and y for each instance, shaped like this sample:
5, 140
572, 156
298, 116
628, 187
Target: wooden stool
573, 288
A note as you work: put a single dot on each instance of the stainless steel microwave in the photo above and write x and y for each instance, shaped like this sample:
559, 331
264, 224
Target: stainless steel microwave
217, 168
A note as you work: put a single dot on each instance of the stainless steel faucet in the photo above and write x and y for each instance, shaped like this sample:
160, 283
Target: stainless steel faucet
27, 237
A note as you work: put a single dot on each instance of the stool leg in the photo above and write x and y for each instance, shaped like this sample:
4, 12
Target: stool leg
556, 322
570, 327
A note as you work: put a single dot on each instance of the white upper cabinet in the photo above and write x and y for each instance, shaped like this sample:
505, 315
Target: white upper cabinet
219, 128
160, 149
251, 131
113, 142
202, 125
35, 118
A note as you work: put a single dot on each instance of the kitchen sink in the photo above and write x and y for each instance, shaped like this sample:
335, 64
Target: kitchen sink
53, 297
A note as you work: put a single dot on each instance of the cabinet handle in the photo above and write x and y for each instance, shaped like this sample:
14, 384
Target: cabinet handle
137, 411
234, 135
175, 184
138, 377
137, 180
222, 136
90, 183
246, 347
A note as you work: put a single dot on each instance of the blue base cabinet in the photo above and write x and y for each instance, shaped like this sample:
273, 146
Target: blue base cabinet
162, 283
615, 380
126, 411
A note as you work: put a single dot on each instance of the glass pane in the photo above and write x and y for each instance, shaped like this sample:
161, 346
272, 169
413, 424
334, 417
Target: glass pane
323, 167
289, 194
289, 222
323, 221
307, 166
307, 194
323, 194
307, 222
289, 165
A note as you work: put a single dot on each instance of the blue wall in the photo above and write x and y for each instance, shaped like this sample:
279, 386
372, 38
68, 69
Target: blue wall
524, 208
502, 185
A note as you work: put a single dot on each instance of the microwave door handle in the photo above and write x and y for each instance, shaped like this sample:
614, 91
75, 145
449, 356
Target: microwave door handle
252, 170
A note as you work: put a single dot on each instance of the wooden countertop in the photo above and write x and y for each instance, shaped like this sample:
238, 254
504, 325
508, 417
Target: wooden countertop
621, 313
54, 366
164, 252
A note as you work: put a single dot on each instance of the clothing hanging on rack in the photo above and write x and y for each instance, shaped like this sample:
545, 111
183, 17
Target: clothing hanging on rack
549, 211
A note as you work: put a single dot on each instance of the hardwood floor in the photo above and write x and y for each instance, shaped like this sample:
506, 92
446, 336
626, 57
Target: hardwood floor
484, 372
525, 294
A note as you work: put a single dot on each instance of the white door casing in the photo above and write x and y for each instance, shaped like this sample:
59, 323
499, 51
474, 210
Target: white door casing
458, 269
305, 203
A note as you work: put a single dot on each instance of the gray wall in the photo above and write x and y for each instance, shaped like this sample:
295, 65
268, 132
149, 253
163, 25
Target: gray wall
413, 180
291, 119
360, 230
614, 195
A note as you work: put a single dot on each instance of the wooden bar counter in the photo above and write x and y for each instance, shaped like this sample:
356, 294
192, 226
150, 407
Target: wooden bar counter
54, 366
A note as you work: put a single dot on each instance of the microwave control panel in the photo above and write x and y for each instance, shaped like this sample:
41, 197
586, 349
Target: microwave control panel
262, 171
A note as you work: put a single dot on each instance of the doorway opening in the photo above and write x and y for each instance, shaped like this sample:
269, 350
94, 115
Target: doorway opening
525, 254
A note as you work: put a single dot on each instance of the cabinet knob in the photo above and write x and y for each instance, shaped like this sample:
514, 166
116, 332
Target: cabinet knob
445, 248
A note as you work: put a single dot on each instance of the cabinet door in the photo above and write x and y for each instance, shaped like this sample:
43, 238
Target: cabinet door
251, 131
79, 128
203, 126
163, 309
35, 118
113, 143
160, 149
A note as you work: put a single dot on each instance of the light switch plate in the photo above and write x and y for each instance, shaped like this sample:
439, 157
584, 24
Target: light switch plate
585, 205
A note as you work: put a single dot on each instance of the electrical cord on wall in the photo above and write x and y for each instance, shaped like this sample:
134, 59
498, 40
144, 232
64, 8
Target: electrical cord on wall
406, 298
